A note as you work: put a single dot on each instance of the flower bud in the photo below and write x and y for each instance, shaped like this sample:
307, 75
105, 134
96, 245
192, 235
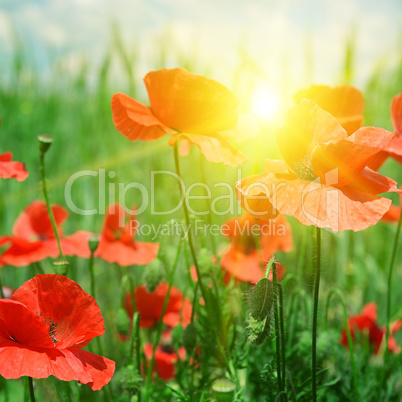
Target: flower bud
257, 331
123, 322
261, 299
189, 338
154, 273
128, 381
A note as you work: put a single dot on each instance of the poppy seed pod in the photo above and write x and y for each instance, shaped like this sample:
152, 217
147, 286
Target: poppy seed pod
153, 275
223, 390
93, 242
261, 299
45, 140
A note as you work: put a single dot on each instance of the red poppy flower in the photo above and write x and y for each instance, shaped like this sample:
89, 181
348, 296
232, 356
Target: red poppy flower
150, 305
10, 169
187, 106
117, 243
324, 180
394, 148
43, 328
165, 359
243, 259
33, 237
344, 102
366, 322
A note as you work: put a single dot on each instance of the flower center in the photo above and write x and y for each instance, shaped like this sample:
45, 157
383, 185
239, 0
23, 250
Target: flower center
52, 327
304, 170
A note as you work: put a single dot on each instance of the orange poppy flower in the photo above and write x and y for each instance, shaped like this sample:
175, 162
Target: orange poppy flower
243, 259
187, 106
150, 306
10, 169
344, 102
366, 321
394, 148
117, 244
324, 179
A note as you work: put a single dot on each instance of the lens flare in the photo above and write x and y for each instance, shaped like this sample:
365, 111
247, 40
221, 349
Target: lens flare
265, 102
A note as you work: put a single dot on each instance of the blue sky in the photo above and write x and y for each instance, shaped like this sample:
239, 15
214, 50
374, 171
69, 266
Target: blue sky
272, 32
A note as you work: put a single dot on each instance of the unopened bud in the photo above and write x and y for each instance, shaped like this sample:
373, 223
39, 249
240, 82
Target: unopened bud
45, 140
223, 390
258, 331
128, 382
261, 299
123, 322
189, 338
153, 275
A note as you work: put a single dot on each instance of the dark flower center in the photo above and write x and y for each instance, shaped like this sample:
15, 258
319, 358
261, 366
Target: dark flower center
52, 327
304, 170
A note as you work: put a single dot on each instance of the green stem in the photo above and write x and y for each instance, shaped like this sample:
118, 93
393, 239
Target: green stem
31, 389
348, 334
135, 344
301, 294
389, 292
92, 273
277, 330
187, 219
317, 272
45, 194
282, 329
160, 322
208, 203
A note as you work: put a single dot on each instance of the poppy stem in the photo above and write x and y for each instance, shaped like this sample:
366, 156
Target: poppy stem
317, 272
277, 330
282, 330
160, 322
1, 289
31, 389
389, 292
135, 348
348, 334
208, 203
45, 194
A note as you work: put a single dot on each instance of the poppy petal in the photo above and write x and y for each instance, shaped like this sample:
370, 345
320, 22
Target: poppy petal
214, 148
306, 125
323, 206
22, 326
344, 102
75, 312
135, 120
139, 253
34, 221
10, 169
349, 156
191, 103
396, 113
65, 364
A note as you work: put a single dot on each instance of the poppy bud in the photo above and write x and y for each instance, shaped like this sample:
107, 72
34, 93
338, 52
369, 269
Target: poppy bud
154, 274
223, 390
45, 140
205, 260
257, 331
61, 266
123, 322
177, 333
129, 381
93, 242
260, 299
189, 338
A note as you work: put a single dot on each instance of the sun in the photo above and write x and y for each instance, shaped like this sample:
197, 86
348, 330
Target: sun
265, 102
